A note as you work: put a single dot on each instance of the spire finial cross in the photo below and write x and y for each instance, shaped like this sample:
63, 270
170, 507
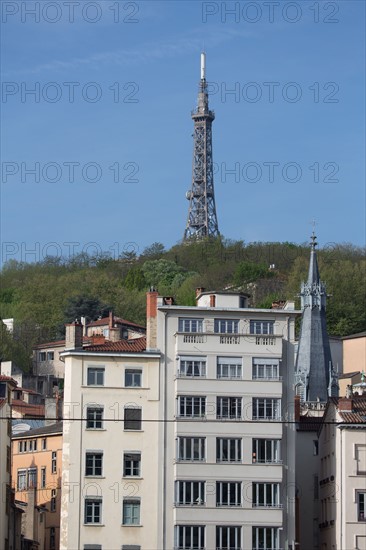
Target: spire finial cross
313, 236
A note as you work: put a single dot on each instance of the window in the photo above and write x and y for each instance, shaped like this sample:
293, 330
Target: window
226, 326
52, 537
54, 462
44, 444
228, 407
93, 464
93, 510
50, 356
132, 420
32, 478
191, 448
266, 495
42, 356
32, 445
266, 451
53, 500
133, 378
22, 480
361, 505
92, 547
192, 407
130, 547
43, 477
265, 369
228, 450
131, 511
190, 537
132, 464
228, 538
94, 418
261, 327
192, 366
315, 447
265, 538
228, 493
360, 455
190, 493
266, 408
8, 459
22, 446
95, 376
228, 367
190, 325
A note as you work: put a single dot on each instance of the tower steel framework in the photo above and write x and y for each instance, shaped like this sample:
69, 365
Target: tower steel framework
202, 218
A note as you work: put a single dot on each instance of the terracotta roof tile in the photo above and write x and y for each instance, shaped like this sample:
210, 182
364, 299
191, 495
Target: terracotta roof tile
118, 320
4, 378
133, 346
27, 409
358, 413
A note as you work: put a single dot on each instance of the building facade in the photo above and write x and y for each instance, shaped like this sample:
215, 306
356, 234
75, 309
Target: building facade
228, 471
111, 446
36, 478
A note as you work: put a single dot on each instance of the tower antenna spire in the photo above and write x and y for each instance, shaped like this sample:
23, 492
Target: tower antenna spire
202, 218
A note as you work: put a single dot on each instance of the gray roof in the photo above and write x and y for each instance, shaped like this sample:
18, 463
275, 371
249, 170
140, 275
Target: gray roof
46, 430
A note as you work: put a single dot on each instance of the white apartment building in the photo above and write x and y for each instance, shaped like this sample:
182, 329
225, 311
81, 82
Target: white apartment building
110, 445
227, 392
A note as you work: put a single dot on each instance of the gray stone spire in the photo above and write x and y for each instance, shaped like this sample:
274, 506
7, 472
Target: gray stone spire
314, 375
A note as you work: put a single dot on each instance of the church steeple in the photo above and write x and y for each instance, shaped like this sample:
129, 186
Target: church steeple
314, 374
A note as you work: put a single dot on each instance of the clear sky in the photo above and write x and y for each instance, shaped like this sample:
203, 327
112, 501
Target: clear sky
108, 133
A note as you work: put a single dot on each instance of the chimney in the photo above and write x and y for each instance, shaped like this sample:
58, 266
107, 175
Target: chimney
74, 336
114, 334
168, 300
199, 291
297, 408
111, 320
151, 319
345, 404
83, 322
212, 300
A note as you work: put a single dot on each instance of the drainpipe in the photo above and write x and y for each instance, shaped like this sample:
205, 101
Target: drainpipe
165, 423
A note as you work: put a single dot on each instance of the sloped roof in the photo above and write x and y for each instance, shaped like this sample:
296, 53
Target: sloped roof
358, 413
55, 428
118, 320
133, 346
27, 408
4, 378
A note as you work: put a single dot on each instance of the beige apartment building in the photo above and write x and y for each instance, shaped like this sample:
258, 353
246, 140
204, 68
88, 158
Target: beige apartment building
111, 446
36, 478
228, 470
342, 476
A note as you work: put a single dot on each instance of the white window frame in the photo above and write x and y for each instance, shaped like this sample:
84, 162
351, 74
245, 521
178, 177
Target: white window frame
258, 326
265, 369
231, 534
266, 451
32, 475
270, 493
191, 406
132, 464
259, 538
131, 511
54, 462
95, 375
228, 407
94, 463
226, 326
229, 367
189, 493
185, 536
228, 449
228, 493
190, 324
22, 479
266, 405
93, 412
191, 449
95, 511
192, 367
136, 377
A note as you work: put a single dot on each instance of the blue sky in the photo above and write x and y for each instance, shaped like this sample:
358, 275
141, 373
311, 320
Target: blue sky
289, 141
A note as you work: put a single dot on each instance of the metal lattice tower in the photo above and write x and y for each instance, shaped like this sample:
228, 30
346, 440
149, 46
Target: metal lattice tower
202, 219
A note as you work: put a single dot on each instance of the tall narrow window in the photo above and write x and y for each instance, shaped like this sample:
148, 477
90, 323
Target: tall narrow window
22, 480
93, 463
54, 462
52, 537
132, 464
361, 505
133, 418
131, 511
43, 477
32, 478
53, 500
93, 510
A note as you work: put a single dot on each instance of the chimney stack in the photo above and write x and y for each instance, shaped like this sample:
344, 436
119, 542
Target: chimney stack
151, 319
111, 320
212, 300
74, 336
297, 408
345, 404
